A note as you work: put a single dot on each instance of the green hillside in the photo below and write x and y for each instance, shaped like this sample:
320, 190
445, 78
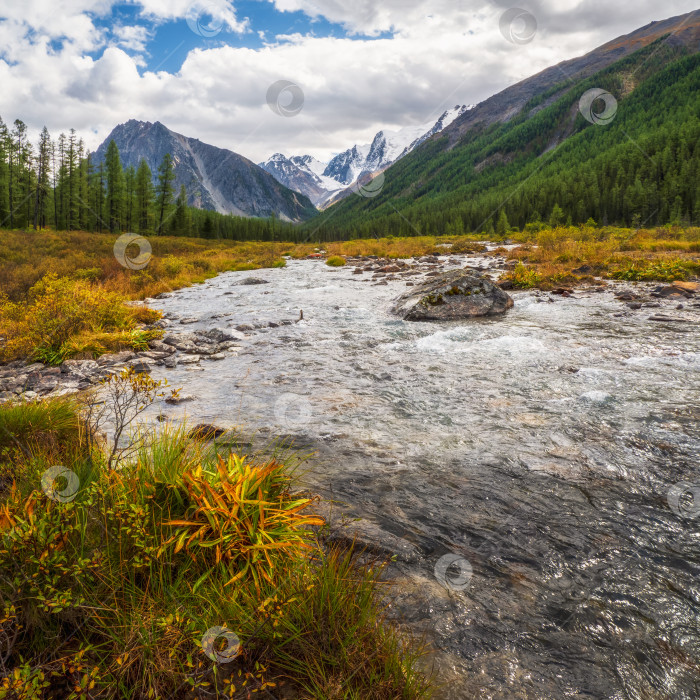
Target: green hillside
642, 168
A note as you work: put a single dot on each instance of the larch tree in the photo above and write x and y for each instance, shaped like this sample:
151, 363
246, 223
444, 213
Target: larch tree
144, 197
43, 167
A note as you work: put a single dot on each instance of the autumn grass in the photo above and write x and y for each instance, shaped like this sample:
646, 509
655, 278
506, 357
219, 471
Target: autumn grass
136, 587
569, 256
62, 294
27, 256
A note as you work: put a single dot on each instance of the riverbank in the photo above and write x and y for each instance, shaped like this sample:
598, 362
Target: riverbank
174, 567
537, 447
63, 294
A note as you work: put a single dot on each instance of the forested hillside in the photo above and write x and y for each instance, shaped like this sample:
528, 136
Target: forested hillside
59, 184
550, 163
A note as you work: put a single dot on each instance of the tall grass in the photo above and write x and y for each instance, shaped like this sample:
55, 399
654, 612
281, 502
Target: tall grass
111, 594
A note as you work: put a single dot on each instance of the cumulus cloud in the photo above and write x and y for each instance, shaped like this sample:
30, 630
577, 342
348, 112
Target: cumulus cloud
218, 13
132, 37
438, 53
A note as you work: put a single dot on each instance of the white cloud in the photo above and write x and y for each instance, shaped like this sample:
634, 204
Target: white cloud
132, 37
215, 13
441, 53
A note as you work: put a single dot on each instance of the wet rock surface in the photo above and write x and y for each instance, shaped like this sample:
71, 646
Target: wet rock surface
453, 295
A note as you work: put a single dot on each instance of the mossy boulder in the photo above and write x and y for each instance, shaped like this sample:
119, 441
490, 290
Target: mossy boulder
452, 295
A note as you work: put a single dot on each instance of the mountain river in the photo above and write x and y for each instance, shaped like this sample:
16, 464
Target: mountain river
528, 466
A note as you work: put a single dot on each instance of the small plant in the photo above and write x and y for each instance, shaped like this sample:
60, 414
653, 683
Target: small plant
336, 261
524, 277
242, 516
121, 399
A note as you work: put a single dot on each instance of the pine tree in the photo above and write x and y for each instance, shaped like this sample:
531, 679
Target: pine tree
502, 225
166, 177
144, 197
115, 188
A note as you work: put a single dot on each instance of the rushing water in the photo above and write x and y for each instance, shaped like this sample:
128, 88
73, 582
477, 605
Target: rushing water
540, 447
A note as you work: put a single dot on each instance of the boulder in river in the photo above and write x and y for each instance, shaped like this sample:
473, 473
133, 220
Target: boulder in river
253, 280
452, 295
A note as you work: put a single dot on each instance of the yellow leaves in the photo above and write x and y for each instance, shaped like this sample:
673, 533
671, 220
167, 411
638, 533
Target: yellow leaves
244, 513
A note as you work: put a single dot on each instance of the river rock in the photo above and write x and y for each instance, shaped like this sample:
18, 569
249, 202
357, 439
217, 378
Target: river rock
452, 295
141, 364
219, 335
176, 399
671, 292
253, 280
80, 368
115, 358
691, 287
205, 431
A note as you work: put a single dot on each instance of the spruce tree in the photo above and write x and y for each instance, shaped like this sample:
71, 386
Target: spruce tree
166, 177
115, 188
144, 197
556, 218
502, 225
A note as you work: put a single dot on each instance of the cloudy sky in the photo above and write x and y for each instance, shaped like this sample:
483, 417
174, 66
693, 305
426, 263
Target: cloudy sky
204, 68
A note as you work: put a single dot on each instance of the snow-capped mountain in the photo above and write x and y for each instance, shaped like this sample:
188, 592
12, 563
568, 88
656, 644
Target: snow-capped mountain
324, 183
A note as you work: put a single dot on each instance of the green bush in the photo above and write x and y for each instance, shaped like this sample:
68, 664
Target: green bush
335, 261
652, 271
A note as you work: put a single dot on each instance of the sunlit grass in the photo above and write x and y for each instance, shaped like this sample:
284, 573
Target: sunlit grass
113, 592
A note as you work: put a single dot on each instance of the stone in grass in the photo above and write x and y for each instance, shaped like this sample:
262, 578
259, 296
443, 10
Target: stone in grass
451, 296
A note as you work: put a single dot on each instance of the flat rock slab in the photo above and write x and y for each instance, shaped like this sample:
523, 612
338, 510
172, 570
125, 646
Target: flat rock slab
451, 296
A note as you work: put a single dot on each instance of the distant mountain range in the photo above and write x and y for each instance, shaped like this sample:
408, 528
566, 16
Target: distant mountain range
536, 145
524, 151
326, 183
215, 178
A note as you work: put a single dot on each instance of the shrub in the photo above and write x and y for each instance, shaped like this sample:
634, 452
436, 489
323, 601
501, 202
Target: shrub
524, 277
335, 261
110, 595
63, 318
645, 270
